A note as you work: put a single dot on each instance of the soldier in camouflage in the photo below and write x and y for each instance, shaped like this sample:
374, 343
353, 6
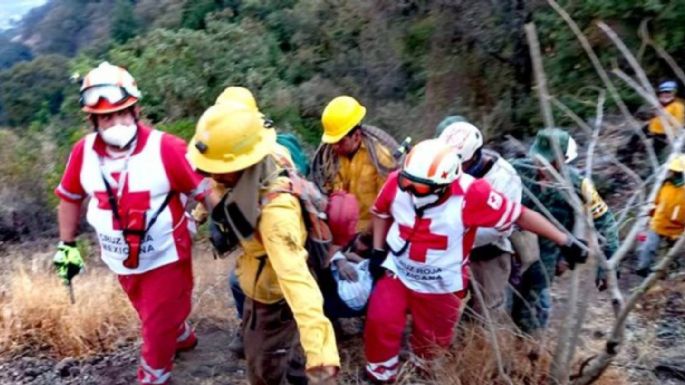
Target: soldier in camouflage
532, 302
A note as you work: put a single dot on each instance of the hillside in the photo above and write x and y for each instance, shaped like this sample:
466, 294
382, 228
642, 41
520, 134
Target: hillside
411, 63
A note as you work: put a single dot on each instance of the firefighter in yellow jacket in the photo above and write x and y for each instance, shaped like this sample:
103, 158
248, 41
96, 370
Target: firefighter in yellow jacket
236, 148
237, 98
353, 158
668, 215
672, 106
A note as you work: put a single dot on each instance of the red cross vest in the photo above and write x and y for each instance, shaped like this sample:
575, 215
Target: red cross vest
429, 253
155, 171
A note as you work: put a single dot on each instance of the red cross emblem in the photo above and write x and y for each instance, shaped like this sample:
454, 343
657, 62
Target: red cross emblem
138, 200
421, 239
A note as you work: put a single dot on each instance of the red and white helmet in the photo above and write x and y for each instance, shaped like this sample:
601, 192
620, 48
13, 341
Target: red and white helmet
429, 165
464, 137
108, 88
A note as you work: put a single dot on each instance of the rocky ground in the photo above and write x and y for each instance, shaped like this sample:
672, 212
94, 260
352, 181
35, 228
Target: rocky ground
209, 363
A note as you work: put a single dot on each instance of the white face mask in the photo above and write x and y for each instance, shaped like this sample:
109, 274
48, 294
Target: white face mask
119, 135
420, 202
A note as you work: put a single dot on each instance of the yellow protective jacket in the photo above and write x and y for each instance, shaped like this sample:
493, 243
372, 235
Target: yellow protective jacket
676, 109
360, 177
669, 214
281, 235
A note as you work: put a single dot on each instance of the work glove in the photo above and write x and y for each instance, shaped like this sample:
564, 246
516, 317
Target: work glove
377, 258
573, 252
68, 261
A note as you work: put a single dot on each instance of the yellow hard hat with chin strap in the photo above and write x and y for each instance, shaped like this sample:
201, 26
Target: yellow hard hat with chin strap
339, 117
229, 140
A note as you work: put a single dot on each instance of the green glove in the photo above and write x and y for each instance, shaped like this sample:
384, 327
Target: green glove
68, 261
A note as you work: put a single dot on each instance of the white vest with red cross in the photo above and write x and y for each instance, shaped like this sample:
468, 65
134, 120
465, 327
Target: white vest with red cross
154, 169
429, 253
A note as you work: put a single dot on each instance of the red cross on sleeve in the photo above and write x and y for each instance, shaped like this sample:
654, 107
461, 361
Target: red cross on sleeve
485, 207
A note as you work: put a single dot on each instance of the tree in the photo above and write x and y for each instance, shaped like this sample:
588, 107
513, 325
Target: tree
12, 53
194, 12
124, 24
32, 87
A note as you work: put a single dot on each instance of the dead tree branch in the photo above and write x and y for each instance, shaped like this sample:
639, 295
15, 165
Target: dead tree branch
539, 71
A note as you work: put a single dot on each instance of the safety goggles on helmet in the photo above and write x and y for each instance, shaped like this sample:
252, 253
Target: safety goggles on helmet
113, 94
417, 186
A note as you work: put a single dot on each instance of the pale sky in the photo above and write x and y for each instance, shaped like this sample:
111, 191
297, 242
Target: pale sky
15, 9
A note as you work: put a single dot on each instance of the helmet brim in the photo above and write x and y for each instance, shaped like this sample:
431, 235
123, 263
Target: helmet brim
328, 138
265, 146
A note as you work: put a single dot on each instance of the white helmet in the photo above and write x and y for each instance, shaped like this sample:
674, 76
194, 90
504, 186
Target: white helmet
464, 137
108, 88
432, 162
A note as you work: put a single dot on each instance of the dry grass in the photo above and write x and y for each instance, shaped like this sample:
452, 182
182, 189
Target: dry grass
471, 361
37, 314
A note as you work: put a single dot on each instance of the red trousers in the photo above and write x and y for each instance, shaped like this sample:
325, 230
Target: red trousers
162, 299
434, 318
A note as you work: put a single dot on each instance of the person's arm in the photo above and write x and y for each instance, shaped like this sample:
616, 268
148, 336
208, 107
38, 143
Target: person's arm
283, 236
535, 223
381, 226
382, 218
68, 216
182, 177
485, 207
71, 195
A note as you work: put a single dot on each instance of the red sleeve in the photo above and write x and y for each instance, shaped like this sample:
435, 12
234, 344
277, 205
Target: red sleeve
181, 175
485, 207
70, 188
381, 207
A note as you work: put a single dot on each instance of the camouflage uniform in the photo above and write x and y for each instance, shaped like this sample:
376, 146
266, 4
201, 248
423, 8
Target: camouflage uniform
532, 303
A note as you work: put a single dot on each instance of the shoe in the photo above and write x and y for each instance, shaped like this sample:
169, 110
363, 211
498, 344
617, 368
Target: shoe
189, 343
237, 346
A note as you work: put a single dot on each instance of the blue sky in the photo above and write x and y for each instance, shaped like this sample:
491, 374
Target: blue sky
14, 9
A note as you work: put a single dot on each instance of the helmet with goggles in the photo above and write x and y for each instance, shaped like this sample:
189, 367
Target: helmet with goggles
108, 88
430, 167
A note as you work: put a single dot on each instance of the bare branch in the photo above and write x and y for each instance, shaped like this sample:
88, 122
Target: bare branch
597, 365
644, 34
604, 76
671, 123
588, 130
539, 70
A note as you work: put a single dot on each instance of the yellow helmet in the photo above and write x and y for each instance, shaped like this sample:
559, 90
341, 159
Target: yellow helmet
677, 164
238, 96
229, 139
339, 117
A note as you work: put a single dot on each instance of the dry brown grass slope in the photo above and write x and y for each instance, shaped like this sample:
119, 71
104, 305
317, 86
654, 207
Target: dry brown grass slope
37, 317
